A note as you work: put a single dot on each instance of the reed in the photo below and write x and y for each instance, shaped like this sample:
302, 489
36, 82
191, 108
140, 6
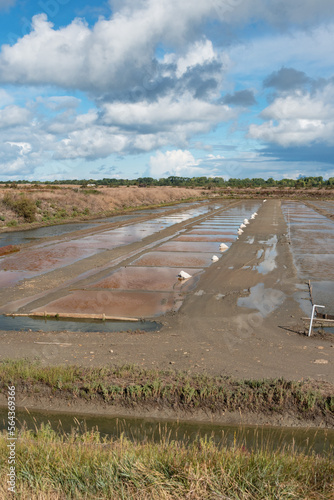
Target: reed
82, 466
130, 385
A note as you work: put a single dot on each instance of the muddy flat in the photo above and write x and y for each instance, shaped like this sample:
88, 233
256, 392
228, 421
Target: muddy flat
239, 316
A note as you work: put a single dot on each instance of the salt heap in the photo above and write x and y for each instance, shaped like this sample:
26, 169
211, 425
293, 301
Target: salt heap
183, 275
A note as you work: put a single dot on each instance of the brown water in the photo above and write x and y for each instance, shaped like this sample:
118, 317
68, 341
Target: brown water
252, 438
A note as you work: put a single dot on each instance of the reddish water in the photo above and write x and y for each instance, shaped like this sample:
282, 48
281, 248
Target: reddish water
174, 259
143, 278
190, 246
127, 304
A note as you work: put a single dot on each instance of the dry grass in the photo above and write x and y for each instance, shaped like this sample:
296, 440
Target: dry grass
71, 202
87, 466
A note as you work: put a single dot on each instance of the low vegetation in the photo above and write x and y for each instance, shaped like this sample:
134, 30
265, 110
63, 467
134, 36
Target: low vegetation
53, 204
23, 202
131, 386
173, 180
82, 466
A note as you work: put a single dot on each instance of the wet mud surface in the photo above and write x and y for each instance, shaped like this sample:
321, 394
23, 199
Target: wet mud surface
240, 316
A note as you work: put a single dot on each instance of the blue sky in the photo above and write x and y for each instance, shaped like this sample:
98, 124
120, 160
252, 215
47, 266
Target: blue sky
132, 88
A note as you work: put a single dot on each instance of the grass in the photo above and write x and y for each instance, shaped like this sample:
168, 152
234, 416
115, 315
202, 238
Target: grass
82, 466
47, 205
130, 385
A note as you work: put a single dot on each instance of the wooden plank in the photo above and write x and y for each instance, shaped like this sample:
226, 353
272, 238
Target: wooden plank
71, 316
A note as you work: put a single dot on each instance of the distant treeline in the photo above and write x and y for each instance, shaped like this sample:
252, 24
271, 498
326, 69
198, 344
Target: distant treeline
205, 182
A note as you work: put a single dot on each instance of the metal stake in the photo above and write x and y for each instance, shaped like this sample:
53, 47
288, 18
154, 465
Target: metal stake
312, 316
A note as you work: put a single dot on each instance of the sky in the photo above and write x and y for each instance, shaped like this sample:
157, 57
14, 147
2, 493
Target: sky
137, 88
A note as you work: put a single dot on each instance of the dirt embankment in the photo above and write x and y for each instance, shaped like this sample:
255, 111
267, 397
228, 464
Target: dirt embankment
47, 205
130, 390
40, 205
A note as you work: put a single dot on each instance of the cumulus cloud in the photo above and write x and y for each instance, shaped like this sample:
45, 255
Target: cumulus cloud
176, 162
114, 54
156, 80
298, 119
118, 52
164, 113
12, 116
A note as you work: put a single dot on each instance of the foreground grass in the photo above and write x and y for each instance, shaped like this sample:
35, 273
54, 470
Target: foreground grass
75, 466
130, 385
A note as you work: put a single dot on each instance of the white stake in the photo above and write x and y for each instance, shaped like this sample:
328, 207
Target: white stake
312, 316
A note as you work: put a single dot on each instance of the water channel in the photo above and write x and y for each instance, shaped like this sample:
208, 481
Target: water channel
307, 440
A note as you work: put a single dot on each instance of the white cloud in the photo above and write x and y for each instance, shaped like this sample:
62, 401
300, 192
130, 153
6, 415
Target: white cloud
199, 53
298, 119
143, 104
23, 147
110, 55
90, 143
12, 116
57, 103
166, 112
176, 162
116, 52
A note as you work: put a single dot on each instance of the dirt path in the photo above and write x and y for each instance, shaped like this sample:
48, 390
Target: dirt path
212, 332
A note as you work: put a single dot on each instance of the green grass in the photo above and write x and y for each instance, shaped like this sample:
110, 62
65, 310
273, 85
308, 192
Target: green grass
130, 385
53, 466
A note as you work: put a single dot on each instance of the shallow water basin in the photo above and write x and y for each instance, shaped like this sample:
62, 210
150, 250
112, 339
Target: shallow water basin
209, 238
174, 259
128, 304
188, 246
142, 278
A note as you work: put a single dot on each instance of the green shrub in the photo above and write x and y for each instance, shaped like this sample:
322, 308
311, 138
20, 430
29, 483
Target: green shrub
12, 223
23, 206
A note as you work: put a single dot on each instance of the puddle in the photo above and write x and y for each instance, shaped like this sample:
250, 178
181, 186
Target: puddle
265, 300
8, 323
250, 240
142, 278
307, 440
127, 304
268, 263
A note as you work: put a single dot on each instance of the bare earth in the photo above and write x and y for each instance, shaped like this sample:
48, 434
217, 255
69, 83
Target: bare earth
210, 332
